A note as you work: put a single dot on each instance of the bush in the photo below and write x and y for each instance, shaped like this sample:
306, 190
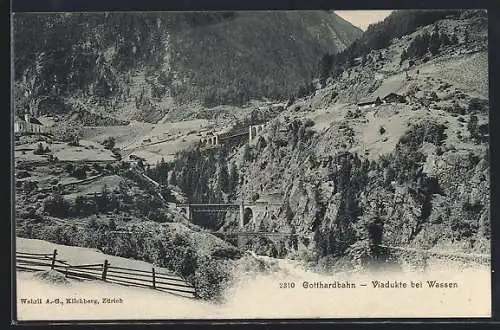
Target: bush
96, 167
28, 186
22, 174
478, 105
56, 205
211, 278
109, 143
426, 131
74, 141
158, 215
84, 206
308, 122
40, 150
254, 197
381, 130
79, 172
142, 204
69, 168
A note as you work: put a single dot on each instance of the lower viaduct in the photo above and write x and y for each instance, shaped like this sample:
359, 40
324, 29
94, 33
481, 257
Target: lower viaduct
216, 139
248, 213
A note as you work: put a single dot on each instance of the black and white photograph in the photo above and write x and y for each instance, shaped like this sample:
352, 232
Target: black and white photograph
251, 164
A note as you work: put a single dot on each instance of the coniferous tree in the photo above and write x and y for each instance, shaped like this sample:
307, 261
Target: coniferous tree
233, 178
223, 177
247, 155
325, 68
173, 178
466, 37
404, 56
445, 39
435, 41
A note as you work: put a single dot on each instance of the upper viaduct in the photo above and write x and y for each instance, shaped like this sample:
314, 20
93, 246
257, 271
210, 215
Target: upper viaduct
216, 139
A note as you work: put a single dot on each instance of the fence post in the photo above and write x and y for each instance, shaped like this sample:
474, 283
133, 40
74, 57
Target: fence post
154, 279
53, 259
105, 269
66, 273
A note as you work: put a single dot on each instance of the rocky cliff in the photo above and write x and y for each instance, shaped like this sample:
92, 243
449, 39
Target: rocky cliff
420, 166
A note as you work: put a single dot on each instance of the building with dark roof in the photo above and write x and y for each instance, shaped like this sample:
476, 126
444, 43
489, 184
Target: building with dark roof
394, 98
369, 102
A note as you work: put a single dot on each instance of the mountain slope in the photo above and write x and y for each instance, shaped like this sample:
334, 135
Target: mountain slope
421, 166
138, 66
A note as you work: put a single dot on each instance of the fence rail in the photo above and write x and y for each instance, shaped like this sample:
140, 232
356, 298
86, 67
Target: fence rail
106, 272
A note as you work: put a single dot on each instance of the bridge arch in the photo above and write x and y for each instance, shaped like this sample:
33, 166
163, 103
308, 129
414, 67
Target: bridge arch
248, 215
254, 130
211, 140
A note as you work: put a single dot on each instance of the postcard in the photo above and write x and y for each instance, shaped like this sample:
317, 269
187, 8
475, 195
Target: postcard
251, 165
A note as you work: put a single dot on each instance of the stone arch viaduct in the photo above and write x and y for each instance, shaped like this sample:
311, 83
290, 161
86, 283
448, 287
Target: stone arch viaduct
248, 213
216, 139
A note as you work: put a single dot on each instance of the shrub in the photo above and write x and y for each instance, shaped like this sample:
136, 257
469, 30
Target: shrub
261, 143
28, 186
97, 167
69, 168
478, 105
211, 278
308, 122
80, 173
427, 131
142, 204
226, 253
22, 174
381, 130
109, 143
461, 229
158, 215
56, 205
306, 254
39, 150
74, 141
247, 154
116, 154
84, 206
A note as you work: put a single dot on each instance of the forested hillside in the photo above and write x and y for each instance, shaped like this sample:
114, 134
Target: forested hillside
139, 66
420, 165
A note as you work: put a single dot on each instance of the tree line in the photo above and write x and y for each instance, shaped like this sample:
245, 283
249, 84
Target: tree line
379, 35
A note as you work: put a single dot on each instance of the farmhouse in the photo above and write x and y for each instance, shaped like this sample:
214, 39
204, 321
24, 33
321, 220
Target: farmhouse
28, 125
394, 98
369, 102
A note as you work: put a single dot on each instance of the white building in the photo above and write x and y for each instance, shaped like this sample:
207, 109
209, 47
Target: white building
28, 125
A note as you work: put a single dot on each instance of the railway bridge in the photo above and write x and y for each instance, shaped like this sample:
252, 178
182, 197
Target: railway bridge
248, 213
218, 138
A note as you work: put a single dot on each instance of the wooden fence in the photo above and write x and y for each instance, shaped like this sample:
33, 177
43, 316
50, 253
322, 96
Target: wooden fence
106, 272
